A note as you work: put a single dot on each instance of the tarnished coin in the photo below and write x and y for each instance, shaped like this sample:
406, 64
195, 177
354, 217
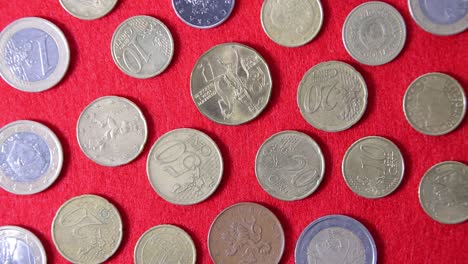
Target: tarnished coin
336, 239
434, 104
443, 192
34, 54
203, 14
373, 167
87, 229
289, 165
231, 84
165, 244
184, 166
20, 246
142, 47
374, 33
31, 157
246, 233
111, 131
88, 9
292, 23
332, 96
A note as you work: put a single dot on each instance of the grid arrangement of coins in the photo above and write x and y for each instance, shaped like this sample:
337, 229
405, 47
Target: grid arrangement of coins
230, 85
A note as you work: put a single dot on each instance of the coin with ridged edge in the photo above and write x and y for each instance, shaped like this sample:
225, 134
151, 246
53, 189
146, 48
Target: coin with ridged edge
20, 246
88, 9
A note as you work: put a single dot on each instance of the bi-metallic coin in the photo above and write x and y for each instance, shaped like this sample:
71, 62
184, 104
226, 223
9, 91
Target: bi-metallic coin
88, 9
203, 14
20, 246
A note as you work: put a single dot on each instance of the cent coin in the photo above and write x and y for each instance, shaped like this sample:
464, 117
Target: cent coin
203, 14
88, 9
18, 245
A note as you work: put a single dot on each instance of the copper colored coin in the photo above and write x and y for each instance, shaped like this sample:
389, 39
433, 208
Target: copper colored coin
246, 233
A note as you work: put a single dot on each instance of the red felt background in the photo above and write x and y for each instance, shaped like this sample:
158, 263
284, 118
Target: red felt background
402, 231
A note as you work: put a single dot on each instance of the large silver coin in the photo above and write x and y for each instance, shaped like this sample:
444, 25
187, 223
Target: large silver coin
443, 192
289, 165
142, 47
165, 244
374, 33
332, 96
373, 167
87, 229
34, 54
434, 104
292, 23
31, 157
111, 131
19, 246
231, 84
88, 9
185, 166
203, 14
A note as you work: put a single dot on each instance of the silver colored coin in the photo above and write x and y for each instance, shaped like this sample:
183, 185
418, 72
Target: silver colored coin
185, 166
34, 54
434, 104
231, 84
87, 229
111, 131
289, 165
332, 96
31, 157
18, 246
374, 33
292, 23
165, 244
443, 192
142, 47
373, 167
88, 9
203, 14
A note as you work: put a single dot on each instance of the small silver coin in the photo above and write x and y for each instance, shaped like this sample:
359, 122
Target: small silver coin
332, 96
292, 23
20, 246
231, 84
289, 165
443, 192
34, 54
165, 244
434, 104
374, 33
111, 131
31, 157
185, 166
142, 47
88, 9
203, 14
373, 167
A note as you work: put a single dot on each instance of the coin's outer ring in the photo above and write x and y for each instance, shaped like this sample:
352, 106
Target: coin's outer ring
343, 219
443, 75
135, 107
209, 139
269, 79
142, 76
102, 14
343, 165
31, 236
92, 196
51, 136
205, 27
177, 229
62, 47
317, 148
426, 210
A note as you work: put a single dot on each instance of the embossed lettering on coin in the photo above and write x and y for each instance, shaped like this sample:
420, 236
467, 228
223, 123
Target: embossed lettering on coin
203, 13
88, 9
19, 246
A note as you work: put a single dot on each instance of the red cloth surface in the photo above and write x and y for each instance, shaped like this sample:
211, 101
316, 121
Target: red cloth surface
402, 231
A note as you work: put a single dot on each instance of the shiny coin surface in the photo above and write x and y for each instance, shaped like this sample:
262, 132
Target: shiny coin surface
292, 23
165, 244
142, 47
34, 54
336, 239
374, 33
111, 131
20, 246
203, 14
31, 157
185, 166
434, 104
373, 167
231, 84
289, 165
246, 233
443, 192
87, 229
88, 9
332, 96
